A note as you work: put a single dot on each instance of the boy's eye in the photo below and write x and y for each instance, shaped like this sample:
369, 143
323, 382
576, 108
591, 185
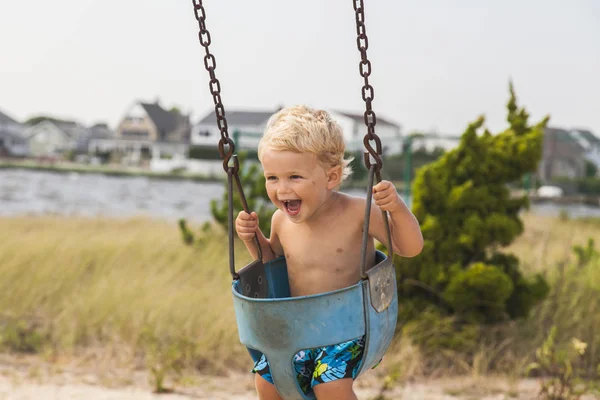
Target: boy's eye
271, 178
295, 177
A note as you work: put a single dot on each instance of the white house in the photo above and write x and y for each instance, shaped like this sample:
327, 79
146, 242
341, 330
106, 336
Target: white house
591, 144
565, 152
98, 131
355, 129
12, 140
53, 137
251, 124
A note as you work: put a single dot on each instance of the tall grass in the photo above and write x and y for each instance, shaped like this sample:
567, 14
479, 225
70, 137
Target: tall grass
572, 307
567, 252
69, 284
547, 241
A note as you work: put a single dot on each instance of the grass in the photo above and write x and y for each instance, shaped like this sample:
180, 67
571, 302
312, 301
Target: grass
71, 284
75, 283
547, 241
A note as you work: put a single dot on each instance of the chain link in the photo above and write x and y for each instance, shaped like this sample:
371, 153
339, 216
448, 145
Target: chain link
226, 145
368, 93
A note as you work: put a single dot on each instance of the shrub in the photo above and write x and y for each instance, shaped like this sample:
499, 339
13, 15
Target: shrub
467, 214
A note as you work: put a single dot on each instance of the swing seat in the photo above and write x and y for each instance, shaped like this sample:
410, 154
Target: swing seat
271, 322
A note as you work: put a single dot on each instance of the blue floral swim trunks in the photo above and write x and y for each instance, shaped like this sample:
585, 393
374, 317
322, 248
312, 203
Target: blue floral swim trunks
320, 365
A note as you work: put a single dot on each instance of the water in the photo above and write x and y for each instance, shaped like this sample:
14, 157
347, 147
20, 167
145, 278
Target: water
31, 192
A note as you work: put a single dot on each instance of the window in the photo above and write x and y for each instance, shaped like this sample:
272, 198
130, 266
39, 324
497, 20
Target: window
134, 134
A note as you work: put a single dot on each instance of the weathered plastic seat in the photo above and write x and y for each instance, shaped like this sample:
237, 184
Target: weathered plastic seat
271, 322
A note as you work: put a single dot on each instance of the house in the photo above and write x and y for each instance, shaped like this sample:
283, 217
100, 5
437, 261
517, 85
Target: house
354, 128
251, 124
563, 155
146, 131
151, 122
12, 141
97, 131
51, 137
591, 144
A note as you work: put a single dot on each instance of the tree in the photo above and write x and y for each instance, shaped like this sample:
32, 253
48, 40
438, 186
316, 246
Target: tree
467, 215
590, 169
40, 118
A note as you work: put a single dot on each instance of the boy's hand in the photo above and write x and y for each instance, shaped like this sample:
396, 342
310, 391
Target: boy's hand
386, 197
246, 225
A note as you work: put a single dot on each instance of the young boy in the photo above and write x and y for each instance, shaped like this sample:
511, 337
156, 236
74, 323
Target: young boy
319, 231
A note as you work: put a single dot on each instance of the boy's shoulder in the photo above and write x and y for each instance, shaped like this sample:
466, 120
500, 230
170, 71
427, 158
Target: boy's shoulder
352, 205
277, 217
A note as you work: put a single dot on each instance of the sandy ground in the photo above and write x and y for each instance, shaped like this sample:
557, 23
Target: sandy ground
31, 379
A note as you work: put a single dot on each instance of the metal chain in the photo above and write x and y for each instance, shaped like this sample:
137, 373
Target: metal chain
368, 93
226, 145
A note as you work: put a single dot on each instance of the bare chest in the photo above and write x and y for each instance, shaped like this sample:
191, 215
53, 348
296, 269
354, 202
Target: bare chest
328, 248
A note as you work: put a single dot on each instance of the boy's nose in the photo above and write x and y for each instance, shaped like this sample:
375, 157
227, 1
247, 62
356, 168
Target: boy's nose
283, 187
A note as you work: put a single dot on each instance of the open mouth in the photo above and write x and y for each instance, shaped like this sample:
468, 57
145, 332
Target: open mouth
292, 207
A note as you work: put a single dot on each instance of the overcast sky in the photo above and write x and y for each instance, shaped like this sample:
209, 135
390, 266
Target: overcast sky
437, 64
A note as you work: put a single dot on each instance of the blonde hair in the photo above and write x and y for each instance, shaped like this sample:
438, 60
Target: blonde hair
303, 129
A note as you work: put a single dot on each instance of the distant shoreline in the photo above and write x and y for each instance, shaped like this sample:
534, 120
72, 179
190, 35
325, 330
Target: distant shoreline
129, 172
65, 168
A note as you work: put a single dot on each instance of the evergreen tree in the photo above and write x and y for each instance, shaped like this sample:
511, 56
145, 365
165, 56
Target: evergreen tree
467, 215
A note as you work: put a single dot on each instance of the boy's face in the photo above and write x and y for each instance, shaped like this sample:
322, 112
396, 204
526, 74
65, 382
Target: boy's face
296, 183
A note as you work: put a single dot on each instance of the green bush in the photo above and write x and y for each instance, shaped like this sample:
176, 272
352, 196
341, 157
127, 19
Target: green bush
591, 170
589, 186
23, 335
467, 214
212, 153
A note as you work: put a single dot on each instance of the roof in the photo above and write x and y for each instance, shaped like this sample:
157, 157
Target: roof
361, 118
588, 136
559, 134
15, 137
71, 129
566, 138
240, 117
5, 119
100, 131
164, 120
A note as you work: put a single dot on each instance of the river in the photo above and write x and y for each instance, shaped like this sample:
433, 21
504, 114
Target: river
24, 192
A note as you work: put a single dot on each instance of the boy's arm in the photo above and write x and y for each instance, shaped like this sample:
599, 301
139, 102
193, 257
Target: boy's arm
265, 245
407, 239
270, 247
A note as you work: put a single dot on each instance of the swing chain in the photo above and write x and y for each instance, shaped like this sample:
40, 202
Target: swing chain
226, 145
368, 93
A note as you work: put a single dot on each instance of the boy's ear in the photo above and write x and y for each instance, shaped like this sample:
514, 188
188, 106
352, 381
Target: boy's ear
334, 177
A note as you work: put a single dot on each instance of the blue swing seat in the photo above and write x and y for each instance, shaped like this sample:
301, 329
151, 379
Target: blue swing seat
271, 322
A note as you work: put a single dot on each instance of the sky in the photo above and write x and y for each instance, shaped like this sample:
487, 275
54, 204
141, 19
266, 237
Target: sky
436, 64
